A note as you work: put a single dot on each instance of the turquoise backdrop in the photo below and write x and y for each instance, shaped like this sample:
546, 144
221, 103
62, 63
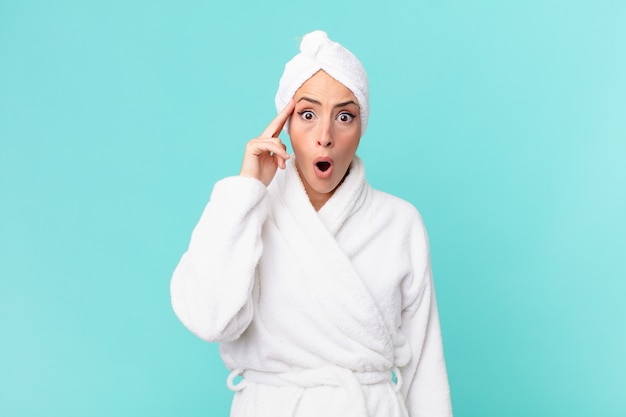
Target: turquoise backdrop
504, 122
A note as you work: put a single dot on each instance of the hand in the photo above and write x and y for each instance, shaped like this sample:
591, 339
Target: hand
266, 153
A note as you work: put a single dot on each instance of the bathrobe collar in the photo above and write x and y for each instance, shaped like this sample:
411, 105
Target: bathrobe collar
345, 201
332, 279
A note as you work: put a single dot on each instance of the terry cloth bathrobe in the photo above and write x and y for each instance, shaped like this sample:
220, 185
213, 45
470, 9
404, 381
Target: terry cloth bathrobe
316, 310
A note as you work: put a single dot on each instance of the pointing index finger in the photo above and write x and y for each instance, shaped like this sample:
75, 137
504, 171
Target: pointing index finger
276, 125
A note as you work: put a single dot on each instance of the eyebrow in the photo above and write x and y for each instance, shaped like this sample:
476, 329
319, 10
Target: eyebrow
343, 104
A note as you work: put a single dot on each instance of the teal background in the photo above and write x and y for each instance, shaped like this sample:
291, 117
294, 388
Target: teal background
504, 122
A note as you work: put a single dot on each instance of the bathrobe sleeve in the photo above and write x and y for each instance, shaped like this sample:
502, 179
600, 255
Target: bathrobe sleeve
212, 285
425, 379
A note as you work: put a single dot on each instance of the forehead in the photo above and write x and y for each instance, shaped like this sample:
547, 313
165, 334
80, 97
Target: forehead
324, 88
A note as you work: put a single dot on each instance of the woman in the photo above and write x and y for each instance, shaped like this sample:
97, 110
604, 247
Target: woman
318, 287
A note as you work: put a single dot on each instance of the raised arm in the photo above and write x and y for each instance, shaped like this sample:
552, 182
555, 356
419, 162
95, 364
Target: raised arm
212, 288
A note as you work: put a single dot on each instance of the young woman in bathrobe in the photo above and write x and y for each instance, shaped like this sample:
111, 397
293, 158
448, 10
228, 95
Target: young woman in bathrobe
317, 286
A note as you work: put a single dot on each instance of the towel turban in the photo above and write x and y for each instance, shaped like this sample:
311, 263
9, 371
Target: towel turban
317, 52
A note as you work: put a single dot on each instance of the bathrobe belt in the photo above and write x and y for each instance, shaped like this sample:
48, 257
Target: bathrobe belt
332, 376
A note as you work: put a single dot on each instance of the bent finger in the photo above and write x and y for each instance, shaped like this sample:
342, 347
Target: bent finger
271, 145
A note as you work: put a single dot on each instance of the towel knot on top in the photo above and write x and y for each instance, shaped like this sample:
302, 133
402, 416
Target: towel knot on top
313, 42
318, 52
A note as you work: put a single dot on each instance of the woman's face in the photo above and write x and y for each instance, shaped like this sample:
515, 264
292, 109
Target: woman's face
325, 129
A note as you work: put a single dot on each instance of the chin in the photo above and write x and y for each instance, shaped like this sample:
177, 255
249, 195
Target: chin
329, 187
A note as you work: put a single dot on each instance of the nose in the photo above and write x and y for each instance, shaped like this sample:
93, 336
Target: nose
325, 136
325, 143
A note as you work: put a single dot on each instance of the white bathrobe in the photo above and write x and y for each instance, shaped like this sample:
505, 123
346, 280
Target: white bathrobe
316, 309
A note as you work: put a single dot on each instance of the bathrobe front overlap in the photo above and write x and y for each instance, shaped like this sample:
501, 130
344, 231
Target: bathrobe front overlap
287, 289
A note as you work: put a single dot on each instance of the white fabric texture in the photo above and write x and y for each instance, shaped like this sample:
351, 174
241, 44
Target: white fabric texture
318, 52
296, 295
329, 376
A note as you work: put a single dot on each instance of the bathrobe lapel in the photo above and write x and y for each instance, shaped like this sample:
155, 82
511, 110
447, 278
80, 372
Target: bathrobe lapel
337, 287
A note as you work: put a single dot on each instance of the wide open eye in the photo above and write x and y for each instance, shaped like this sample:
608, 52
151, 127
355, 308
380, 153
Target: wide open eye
345, 117
307, 115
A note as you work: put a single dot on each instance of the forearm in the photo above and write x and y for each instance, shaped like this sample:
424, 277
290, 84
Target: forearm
212, 285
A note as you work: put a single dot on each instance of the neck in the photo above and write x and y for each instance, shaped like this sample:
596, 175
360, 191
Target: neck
317, 199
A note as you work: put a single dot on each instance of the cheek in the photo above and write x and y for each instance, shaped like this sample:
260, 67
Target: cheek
297, 143
349, 133
298, 137
350, 142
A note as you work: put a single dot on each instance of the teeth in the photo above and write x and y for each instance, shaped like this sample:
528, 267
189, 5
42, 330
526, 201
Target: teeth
323, 166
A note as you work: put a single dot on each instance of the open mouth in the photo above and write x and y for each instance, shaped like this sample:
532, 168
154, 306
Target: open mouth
323, 166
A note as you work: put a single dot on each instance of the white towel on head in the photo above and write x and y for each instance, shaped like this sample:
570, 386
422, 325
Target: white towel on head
317, 52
